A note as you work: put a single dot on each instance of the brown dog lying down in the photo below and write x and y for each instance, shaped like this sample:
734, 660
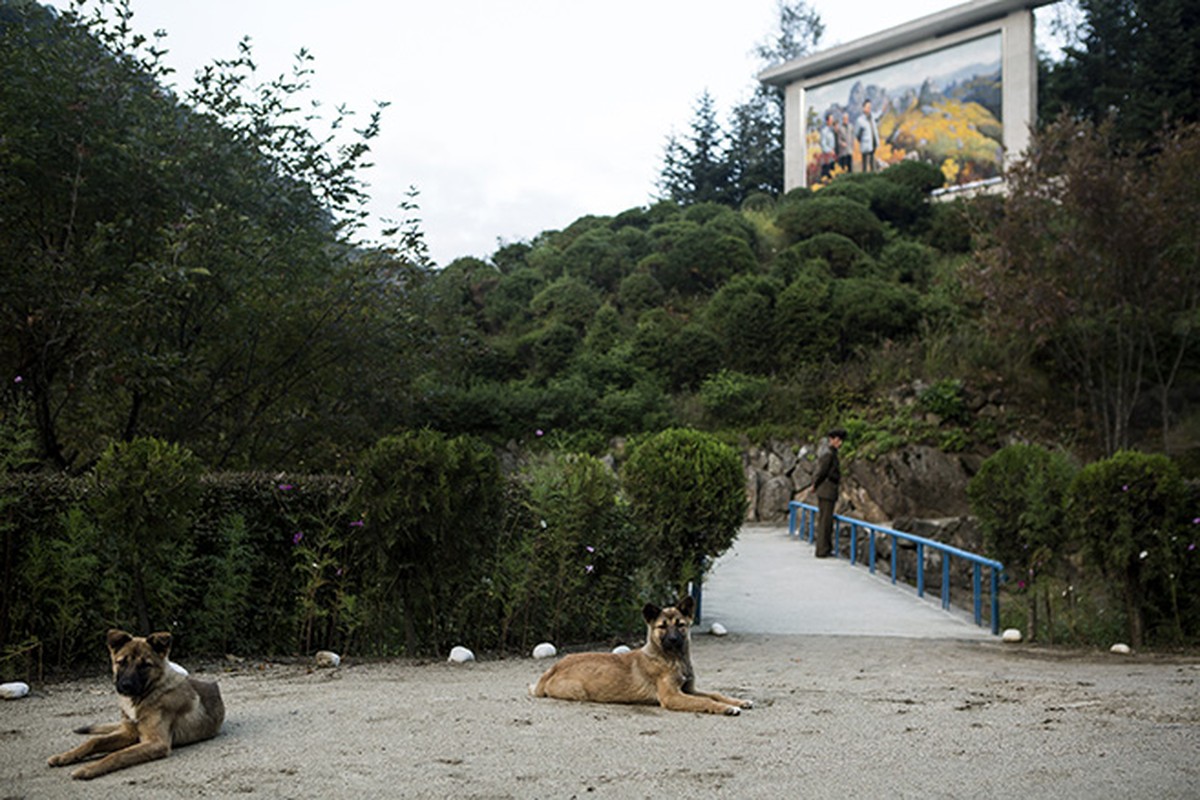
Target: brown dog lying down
660, 672
160, 708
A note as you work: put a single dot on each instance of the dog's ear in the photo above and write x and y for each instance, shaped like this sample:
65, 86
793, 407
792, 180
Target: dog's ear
160, 643
686, 606
650, 613
117, 639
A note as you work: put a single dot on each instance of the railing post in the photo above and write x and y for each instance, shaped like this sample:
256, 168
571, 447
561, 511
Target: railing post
995, 602
894, 548
792, 508
871, 554
920, 569
975, 572
945, 580
853, 543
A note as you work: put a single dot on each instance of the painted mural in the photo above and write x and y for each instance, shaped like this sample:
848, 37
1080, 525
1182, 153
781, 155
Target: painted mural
941, 107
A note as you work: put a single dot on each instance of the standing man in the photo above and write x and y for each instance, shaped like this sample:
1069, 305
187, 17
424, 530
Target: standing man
826, 481
866, 130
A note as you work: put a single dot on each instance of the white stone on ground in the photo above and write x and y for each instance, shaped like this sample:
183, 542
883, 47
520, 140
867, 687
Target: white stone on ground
327, 658
718, 629
620, 649
1120, 649
11, 691
544, 650
1011, 635
461, 655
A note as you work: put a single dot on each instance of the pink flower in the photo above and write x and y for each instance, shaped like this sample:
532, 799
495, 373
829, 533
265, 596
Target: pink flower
296, 537
589, 568
358, 523
286, 487
539, 432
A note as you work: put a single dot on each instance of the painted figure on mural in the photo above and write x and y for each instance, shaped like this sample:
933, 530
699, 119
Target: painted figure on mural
866, 130
844, 138
828, 145
826, 484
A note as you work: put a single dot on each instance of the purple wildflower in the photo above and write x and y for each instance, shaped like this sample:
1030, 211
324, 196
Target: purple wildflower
539, 432
590, 549
358, 523
589, 568
296, 537
286, 487
18, 379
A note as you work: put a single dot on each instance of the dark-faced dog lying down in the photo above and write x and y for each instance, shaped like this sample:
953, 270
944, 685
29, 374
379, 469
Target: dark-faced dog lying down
161, 708
659, 672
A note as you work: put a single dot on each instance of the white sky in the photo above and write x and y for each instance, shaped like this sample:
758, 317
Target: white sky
510, 118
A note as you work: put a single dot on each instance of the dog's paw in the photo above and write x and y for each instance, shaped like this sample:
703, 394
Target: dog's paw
57, 760
732, 711
747, 704
84, 773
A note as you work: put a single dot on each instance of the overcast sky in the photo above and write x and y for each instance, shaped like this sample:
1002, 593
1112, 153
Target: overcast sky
510, 118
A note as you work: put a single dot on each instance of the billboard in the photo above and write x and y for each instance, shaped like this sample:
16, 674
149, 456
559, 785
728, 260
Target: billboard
943, 107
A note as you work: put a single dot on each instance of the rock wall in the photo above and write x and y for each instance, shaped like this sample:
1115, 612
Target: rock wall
917, 482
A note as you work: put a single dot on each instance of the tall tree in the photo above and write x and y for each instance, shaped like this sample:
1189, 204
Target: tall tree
1096, 265
1134, 60
186, 272
756, 126
696, 169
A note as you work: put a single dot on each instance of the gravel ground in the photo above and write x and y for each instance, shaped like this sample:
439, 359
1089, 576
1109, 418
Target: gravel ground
836, 716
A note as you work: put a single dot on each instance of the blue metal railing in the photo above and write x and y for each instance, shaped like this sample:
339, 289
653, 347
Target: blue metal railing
807, 527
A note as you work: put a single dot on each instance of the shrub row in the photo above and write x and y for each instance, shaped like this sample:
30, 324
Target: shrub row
428, 545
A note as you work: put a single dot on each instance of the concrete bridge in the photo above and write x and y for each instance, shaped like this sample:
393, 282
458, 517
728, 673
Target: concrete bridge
769, 582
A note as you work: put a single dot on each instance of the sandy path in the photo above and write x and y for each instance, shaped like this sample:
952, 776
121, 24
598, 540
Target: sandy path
836, 717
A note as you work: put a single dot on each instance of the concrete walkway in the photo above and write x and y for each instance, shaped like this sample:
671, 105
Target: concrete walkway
769, 582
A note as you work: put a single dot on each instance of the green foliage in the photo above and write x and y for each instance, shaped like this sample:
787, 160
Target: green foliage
688, 491
946, 399
842, 256
1093, 267
907, 262
831, 215
144, 500
1132, 61
733, 398
567, 571
918, 175
868, 310
749, 348
1019, 497
1127, 512
427, 505
228, 601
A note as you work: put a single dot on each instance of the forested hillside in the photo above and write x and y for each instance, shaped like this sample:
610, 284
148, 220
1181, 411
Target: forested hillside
192, 268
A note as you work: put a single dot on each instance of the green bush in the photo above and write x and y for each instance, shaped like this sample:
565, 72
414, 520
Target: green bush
145, 496
567, 569
1019, 497
844, 258
866, 311
919, 175
428, 505
800, 221
1127, 512
733, 398
688, 491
